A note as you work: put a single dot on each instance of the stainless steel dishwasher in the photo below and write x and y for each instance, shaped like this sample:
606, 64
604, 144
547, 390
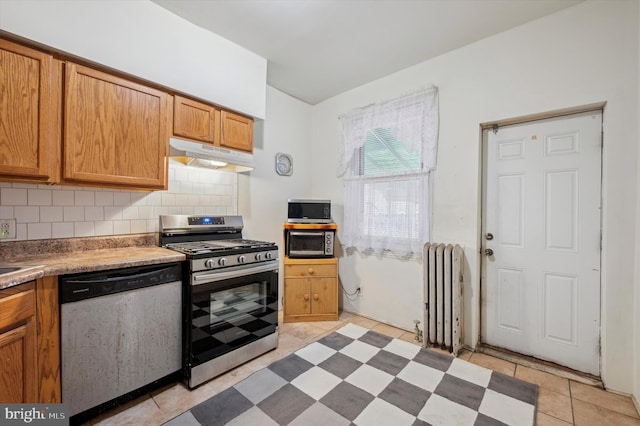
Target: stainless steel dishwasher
120, 331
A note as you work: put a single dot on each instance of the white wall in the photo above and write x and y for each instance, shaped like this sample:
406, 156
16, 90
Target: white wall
581, 55
46, 211
263, 194
141, 38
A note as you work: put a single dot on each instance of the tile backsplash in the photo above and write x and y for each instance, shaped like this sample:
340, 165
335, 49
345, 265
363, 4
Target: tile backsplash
43, 211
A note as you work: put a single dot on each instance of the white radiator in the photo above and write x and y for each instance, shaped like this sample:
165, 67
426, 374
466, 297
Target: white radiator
443, 276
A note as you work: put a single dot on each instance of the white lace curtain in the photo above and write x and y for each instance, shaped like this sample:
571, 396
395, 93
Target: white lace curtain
413, 119
389, 211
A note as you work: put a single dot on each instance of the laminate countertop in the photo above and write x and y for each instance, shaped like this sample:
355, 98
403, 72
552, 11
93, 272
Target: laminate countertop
82, 260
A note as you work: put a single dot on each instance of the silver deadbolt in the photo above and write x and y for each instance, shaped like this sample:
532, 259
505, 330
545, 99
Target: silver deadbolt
488, 252
489, 236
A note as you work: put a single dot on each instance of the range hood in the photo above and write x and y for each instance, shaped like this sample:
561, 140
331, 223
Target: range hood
208, 156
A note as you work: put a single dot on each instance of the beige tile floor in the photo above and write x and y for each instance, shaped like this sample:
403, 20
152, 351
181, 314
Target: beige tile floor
560, 401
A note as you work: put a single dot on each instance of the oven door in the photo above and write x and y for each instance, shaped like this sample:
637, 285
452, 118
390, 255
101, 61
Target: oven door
309, 243
232, 317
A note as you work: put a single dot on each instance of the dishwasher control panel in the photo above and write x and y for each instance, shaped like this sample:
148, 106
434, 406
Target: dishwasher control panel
87, 285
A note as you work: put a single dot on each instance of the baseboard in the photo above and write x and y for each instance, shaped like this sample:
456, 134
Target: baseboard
635, 402
381, 322
541, 365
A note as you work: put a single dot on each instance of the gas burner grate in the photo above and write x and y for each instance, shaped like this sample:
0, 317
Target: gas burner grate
201, 247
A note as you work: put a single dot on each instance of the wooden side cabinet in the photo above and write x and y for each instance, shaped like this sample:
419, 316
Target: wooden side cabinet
29, 114
18, 342
116, 132
310, 289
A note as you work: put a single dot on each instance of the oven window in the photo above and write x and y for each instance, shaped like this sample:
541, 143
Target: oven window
311, 242
226, 318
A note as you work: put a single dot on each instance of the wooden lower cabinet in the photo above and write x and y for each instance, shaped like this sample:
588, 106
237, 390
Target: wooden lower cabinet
18, 343
310, 289
30, 343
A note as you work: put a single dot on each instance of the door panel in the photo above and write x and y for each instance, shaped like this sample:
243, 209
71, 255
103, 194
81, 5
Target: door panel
511, 210
560, 300
541, 285
561, 220
509, 298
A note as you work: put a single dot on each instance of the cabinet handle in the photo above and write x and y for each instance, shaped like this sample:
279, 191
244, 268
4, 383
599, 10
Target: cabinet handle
306, 297
315, 296
310, 270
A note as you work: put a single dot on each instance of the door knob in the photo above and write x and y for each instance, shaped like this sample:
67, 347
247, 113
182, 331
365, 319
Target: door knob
489, 236
488, 252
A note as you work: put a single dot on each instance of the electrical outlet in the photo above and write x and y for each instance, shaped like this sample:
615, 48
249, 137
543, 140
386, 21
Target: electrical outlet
7, 229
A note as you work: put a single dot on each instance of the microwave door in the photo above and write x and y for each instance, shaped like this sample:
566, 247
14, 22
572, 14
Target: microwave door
306, 243
307, 211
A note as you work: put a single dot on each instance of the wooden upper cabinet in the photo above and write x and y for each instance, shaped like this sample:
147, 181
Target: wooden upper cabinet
29, 114
116, 132
195, 120
209, 124
237, 131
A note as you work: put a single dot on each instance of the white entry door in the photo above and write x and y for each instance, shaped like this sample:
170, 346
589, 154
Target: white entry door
541, 240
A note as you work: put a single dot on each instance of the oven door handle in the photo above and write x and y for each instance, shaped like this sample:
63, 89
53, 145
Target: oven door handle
219, 276
306, 233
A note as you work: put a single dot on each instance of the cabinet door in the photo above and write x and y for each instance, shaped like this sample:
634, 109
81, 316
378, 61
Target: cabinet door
195, 120
296, 296
324, 296
116, 131
18, 369
237, 131
29, 106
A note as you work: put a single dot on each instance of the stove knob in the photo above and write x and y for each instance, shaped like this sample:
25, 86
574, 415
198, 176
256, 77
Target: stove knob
259, 257
241, 259
268, 255
222, 262
208, 263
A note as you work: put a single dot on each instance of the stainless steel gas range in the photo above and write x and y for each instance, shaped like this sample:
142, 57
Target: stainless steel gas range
230, 297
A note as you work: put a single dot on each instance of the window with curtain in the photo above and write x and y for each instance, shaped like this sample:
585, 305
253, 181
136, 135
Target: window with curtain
389, 149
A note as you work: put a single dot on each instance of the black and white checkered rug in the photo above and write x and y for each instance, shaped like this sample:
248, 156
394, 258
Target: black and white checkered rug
357, 376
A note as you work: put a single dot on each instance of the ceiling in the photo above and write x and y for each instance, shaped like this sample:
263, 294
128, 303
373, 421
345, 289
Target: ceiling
316, 49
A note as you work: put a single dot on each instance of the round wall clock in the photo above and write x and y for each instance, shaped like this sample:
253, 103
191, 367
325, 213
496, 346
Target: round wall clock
284, 164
